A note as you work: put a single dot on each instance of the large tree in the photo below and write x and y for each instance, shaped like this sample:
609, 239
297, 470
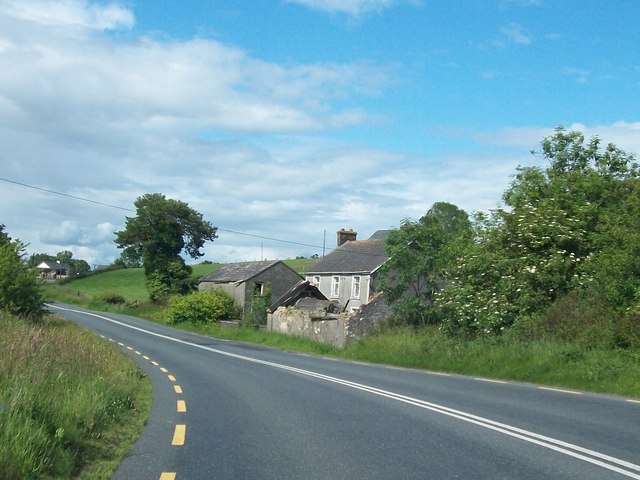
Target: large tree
420, 252
161, 230
570, 227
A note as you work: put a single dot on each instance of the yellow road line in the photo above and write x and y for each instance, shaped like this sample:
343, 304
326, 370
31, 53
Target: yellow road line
181, 406
168, 476
145, 357
163, 370
155, 364
178, 435
172, 378
177, 388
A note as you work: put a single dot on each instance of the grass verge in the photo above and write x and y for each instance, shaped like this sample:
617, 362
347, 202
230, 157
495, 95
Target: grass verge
551, 362
71, 406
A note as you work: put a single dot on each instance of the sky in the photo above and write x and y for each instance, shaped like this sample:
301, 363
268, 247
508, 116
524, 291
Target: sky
283, 121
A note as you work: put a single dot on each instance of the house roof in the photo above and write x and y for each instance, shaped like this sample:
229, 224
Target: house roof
299, 290
238, 272
356, 256
52, 265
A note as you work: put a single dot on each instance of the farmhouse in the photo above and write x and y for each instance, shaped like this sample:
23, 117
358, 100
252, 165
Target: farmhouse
246, 280
52, 269
348, 275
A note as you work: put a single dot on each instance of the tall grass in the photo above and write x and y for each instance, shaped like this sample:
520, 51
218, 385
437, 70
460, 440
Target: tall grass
542, 361
70, 405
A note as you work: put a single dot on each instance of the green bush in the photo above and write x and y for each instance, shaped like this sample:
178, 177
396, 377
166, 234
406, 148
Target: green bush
20, 290
113, 299
209, 306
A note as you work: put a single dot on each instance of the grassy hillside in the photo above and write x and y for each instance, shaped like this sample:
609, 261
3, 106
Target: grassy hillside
129, 282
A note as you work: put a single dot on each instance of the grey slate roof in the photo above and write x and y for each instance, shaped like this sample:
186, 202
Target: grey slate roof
238, 272
302, 288
359, 256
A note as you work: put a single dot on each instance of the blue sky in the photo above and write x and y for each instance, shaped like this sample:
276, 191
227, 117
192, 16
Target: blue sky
286, 119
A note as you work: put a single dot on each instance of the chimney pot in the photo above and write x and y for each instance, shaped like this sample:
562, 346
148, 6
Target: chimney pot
346, 236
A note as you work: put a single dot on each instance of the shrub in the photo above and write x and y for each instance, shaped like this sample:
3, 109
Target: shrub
113, 299
200, 307
20, 291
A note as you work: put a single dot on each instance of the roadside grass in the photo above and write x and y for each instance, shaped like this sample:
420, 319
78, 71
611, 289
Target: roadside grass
71, 406
545, 362
550, 362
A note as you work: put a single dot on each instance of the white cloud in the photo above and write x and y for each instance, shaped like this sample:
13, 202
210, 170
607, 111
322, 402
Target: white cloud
77, 13
515, 34
625, 135
350, 7
242, 140
580, 74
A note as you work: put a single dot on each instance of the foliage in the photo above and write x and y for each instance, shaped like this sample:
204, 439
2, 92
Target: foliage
113, 298
160, 231
419, 254
196, 308
561, 233
256, 314
67, 400
76, 266
20, 292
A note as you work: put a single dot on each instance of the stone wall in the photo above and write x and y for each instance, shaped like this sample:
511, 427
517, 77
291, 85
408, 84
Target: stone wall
335, 329
319, 326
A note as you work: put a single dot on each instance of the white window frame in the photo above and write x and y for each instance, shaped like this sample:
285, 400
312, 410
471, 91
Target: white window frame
355, 286
315, 280
335, 286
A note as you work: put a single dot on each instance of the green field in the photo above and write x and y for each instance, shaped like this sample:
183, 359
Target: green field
129, 282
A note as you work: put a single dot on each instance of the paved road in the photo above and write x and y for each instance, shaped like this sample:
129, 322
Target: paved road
229, 410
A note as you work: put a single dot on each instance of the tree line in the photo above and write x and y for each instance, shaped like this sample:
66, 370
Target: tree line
560, 255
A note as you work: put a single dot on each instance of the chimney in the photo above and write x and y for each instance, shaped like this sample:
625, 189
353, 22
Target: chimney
346, 235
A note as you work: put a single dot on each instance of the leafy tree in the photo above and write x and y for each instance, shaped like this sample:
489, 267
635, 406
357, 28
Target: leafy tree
20, 292
4, 236
160, 231
65, 257
550, 241
420, 252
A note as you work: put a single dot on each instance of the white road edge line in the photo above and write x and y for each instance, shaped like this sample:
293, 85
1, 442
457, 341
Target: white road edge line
590, 456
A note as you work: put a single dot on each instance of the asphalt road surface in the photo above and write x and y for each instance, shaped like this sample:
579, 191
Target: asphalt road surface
230, 410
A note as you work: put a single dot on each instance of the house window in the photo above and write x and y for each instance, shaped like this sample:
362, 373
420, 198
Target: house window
258, 289
335, 286
316, 280
355, 287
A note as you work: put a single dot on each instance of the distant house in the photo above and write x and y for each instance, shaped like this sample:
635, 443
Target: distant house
348, 274
52, 269
246, 280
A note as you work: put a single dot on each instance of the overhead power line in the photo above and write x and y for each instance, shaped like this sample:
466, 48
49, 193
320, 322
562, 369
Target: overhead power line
104, 204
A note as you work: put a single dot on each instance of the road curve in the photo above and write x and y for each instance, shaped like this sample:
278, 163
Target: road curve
230, 410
